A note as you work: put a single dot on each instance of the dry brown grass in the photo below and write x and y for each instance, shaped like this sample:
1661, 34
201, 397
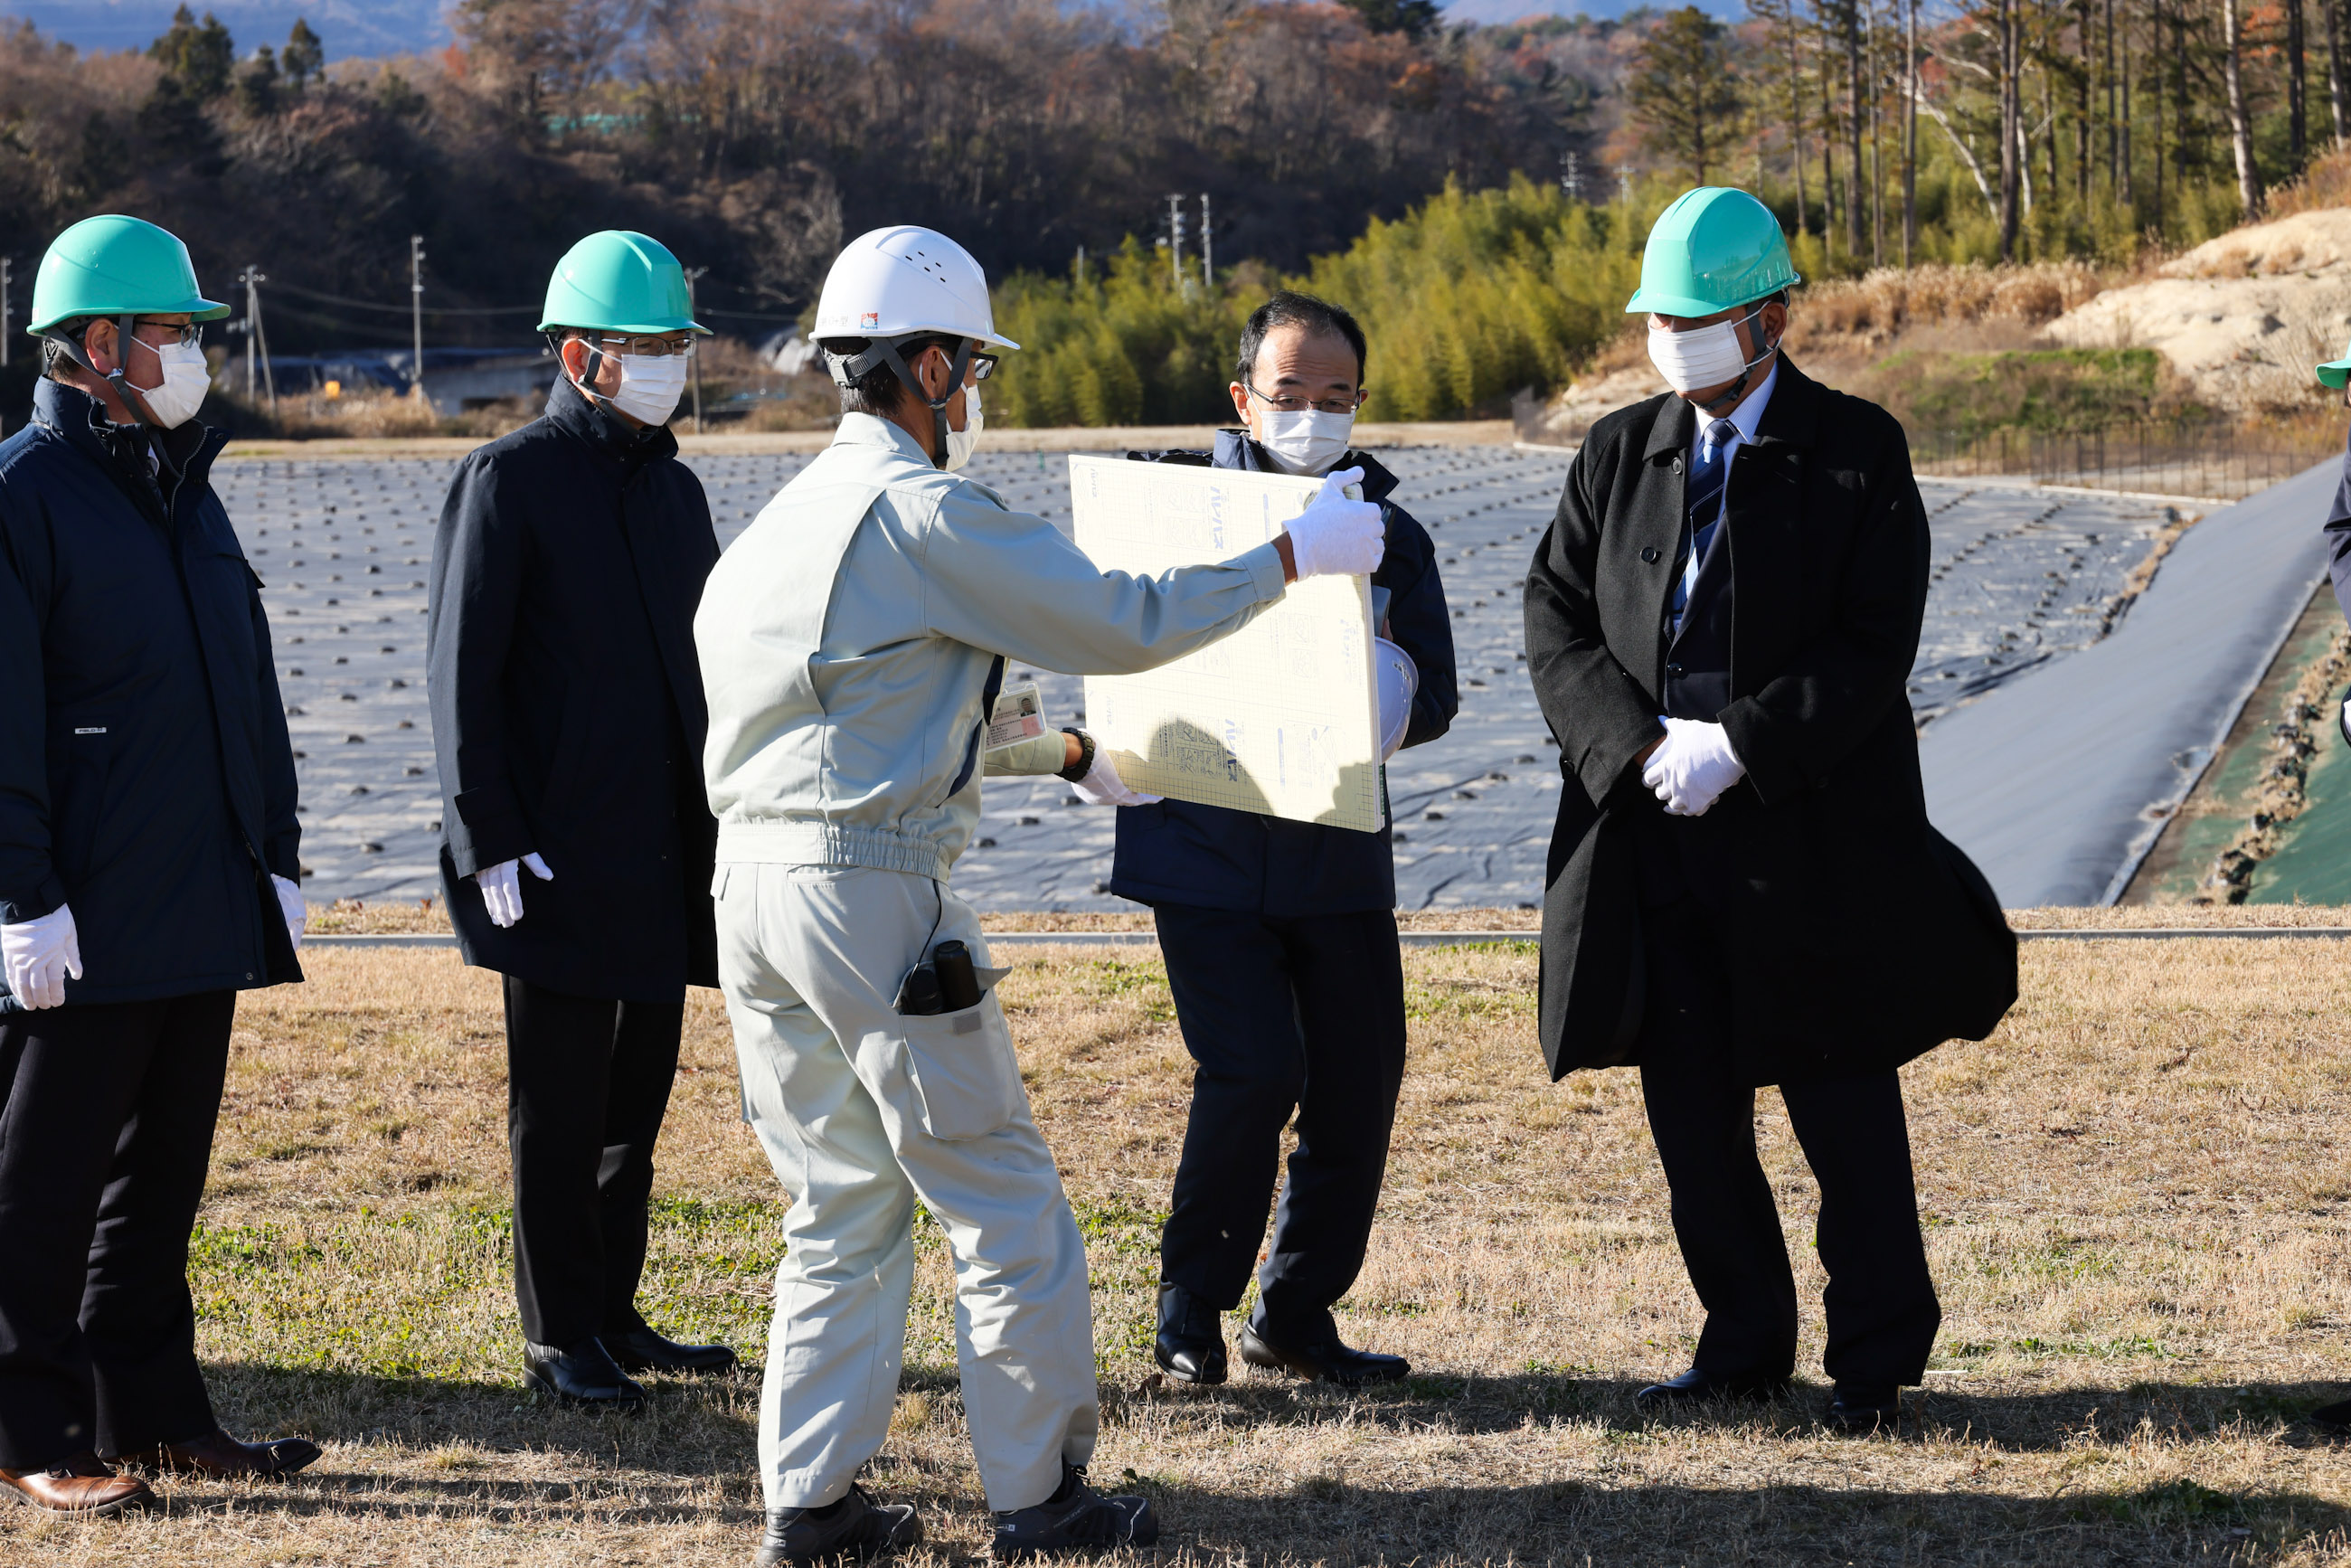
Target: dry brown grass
2133, 1197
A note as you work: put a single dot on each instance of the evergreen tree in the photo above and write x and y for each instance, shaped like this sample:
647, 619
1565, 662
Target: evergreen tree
1686, 97
304, 55
200, 56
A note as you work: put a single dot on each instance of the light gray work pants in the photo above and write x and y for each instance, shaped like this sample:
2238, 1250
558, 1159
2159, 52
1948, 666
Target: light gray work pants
861, 1112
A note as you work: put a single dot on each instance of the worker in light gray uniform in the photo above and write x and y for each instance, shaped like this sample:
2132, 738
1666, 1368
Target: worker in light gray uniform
852, 643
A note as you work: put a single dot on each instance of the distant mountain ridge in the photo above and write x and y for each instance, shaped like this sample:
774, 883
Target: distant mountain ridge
411, 27
345, 27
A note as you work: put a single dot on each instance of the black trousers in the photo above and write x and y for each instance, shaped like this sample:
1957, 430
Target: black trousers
588, 1082
1880, 1302
1303, 1015
105, 1134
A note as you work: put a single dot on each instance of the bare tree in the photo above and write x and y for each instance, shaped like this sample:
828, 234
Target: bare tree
2335, 65
1849, 23
1909, 131
2012, 129
2240, 124
2298, 121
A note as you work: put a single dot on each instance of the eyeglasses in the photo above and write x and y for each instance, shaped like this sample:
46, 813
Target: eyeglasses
185, 333
650, 348
983, 366
1347, 404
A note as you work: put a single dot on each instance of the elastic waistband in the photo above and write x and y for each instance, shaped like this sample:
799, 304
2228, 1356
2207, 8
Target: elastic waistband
824, 843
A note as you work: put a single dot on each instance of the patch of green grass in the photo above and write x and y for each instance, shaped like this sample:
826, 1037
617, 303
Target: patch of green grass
2039, 389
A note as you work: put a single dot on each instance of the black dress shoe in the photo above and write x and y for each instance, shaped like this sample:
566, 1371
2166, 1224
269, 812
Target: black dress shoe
1073, 1520
1322, 1359
1191, 1344
1696, 1387
584, 1374
856, 1526
216, 1456
642, 1350
1858, 1409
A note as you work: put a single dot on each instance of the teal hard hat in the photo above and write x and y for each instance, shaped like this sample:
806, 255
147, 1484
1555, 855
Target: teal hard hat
618, 280
117, 266
1713, 249
2334, 372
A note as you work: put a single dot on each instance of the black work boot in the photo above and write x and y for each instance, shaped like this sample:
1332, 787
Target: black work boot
1075, 1518
854, 1526
1191, 1344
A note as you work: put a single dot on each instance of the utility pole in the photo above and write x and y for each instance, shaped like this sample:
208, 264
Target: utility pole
1176, 239
1571, 175
417, 312
255, 340
694, 346
1207, 246
1625, 185
6, 320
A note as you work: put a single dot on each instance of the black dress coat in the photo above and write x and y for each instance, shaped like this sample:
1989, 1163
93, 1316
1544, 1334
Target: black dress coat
146, 779
1178, 851
1857, 936
567, 713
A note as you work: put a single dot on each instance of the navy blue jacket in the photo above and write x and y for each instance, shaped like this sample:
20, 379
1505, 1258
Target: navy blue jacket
2338, 537
568, 712
146, 779
1208, 856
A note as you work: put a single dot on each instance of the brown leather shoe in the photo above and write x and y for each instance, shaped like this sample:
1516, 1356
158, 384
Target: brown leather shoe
78, 1485
219, 1457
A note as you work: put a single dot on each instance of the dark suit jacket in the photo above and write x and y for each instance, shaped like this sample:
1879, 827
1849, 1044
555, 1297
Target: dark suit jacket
1857, 936
1177, 851
568, 712
146, 779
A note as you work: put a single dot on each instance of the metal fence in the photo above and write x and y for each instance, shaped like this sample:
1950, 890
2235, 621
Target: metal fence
2219, 459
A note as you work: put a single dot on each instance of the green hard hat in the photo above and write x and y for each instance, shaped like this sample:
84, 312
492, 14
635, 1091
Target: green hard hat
619, 280
117, 266
1713, 249
2334, 372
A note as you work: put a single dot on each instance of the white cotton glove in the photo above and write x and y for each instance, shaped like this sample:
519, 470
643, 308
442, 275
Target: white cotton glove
37, 956
1336, 536
502, 887
1399, 681
291, 904
1693, 767
1102, 787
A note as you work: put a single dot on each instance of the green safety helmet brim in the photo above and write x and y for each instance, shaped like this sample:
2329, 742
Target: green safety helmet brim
2335, 374
1714, 249
117, 266
619, 280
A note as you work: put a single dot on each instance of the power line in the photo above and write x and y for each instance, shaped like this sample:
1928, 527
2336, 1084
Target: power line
407, 309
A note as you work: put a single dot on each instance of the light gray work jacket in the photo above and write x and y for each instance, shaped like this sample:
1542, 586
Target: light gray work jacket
850, 639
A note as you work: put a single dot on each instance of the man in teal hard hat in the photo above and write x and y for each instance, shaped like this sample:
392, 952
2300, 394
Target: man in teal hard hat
148, 870
1746, 890
567, 719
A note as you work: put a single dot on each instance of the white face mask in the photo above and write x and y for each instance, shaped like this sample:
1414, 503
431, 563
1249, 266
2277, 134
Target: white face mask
962, 442
1702, 355
187, 378
1307, 442
649, 388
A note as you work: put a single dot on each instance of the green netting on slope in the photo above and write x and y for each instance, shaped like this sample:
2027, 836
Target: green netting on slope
2313, 864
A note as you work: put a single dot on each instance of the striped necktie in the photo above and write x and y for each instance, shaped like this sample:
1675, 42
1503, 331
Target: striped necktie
1707, 478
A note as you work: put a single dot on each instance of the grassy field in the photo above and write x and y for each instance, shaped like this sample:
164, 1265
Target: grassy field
2133, 1193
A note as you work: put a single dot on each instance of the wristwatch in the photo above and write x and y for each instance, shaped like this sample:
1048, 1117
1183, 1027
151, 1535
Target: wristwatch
1076, 772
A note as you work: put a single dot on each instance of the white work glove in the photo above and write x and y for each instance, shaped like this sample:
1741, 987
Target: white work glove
502, 887
1399, 680
1693, 767
1336, 536
1102, 787
37, 956
291, 904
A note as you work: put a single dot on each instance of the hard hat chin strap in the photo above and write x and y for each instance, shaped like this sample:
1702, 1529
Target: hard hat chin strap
72, 349
1728, 398
849, 369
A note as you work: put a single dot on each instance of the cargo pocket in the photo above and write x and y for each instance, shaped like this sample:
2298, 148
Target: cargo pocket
966, 1076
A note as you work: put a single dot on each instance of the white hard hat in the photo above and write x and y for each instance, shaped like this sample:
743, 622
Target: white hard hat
897, 281
1399, 683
